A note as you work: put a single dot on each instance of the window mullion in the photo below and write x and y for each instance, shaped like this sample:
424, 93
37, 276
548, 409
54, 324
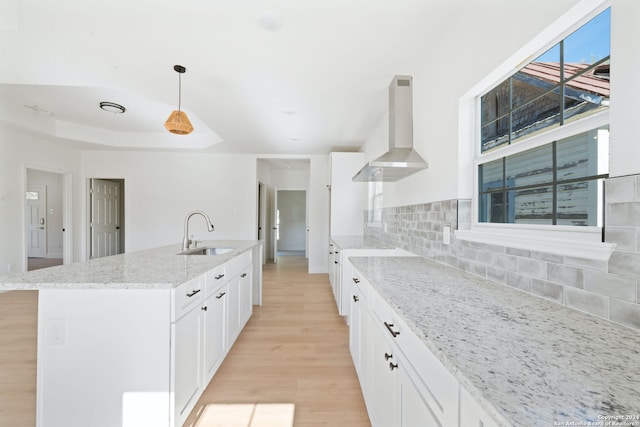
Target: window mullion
562, 83
554, 205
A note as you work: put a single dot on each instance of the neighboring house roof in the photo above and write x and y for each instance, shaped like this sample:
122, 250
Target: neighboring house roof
594, 81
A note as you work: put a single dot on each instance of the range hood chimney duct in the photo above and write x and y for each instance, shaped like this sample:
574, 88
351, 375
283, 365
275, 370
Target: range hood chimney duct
401, 160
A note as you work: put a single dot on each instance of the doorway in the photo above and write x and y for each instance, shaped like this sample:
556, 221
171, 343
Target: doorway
44, 219
275, 174
291, 223
105, 217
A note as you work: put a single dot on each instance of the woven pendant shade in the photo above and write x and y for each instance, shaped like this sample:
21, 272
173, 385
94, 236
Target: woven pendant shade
178, 123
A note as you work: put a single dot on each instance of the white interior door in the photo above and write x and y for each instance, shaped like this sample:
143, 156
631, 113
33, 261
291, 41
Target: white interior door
276, 225
105, 218
36, 198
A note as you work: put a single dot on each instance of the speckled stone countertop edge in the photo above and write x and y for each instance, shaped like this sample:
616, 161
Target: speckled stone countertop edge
156, 268
502, 400
359, 242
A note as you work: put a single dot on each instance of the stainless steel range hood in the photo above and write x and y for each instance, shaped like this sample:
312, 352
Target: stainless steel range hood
401, 160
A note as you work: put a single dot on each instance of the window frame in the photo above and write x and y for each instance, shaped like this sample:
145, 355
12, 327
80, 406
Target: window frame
577, 241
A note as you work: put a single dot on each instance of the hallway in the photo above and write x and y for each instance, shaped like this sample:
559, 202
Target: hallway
294, 349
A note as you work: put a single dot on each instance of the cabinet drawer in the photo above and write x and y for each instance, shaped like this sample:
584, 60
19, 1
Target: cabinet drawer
235, 265
186, 296
216, 278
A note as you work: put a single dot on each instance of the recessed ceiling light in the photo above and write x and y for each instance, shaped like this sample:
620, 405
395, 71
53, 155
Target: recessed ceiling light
295, 138
270, 22
288, 111
112, 107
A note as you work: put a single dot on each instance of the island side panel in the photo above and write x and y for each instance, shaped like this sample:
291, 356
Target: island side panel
103, 358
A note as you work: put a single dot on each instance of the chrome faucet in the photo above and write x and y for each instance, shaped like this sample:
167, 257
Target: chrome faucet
186, 242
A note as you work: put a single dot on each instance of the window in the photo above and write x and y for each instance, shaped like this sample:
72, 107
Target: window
557, 179
374, 215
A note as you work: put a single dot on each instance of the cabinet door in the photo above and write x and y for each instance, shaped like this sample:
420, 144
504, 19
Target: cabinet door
188, 378
383, 380
337, 273
472, 414
355, 328
215, 309
246, 296
414, 411
233, 313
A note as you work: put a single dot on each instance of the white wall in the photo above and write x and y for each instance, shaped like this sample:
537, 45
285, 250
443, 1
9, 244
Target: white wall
319, 214
20, 150
625, 87
162, 188
472, 47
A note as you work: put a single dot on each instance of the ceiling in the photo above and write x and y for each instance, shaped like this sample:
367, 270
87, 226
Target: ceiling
263, 76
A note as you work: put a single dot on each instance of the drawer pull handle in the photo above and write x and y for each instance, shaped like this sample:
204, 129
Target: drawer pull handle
204, 308
219, 276
389, 326
355, 298
393, 366
335, 262
243, 275
356, 280
220, 296
195, 291
388, 356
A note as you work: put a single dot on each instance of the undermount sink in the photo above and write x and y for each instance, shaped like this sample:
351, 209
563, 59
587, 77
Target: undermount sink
206, 251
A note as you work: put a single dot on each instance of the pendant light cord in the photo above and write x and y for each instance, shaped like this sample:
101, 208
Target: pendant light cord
179, 91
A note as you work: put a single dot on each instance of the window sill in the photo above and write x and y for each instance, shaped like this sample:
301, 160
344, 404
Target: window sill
583, 243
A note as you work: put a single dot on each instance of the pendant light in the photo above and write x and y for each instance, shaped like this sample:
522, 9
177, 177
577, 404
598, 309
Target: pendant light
178, 122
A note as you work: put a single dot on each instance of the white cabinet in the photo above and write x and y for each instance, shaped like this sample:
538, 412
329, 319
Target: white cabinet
188, 335
239, 303
215, 345
246, 294
472, 414
403, 383
357, 327
383, 380
347, 197
137, 357
187, 332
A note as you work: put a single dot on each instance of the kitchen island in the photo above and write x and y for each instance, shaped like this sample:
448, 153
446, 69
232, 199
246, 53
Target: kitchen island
524, 360
133, 339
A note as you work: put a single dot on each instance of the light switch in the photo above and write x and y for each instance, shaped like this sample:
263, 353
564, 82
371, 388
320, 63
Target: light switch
50, 211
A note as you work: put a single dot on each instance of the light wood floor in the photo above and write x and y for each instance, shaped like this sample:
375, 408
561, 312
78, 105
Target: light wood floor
294, 349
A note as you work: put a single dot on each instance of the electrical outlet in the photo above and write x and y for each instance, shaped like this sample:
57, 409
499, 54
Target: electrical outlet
446, 235
57, 331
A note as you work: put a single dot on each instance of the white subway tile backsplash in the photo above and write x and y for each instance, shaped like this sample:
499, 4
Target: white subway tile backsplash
623, 214
548, 290
519, 282
608, 289
626, 313
620, 287
621, 189
625, 238
625, 263
565, 275
531, 268
587, 301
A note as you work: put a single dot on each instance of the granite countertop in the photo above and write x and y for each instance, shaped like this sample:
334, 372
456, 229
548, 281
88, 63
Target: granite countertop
359, 242
527, 361
158, 268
